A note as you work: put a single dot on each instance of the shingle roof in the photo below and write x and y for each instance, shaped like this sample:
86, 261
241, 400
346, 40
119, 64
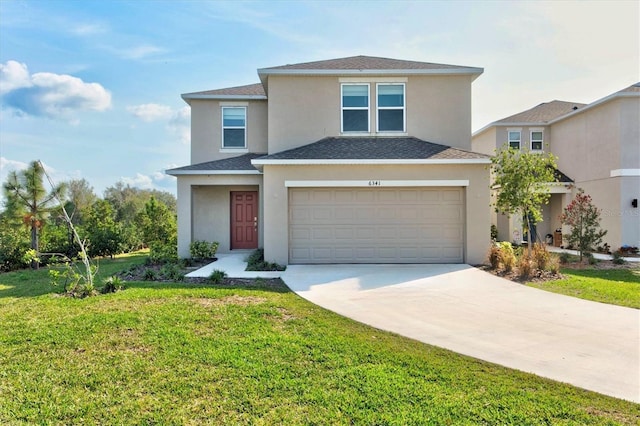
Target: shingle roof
542, 113
365, 63
248, 90
374, 148
240, 163
561, 177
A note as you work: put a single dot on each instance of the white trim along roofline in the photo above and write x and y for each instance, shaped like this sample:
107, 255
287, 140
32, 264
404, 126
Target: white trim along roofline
293, 162
625, 172
439, 71
212, 172
372, 183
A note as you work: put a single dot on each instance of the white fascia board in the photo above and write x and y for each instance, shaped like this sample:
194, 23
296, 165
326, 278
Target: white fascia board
212, 172
441, 71
625, 172
188, 96
374, 183
369, 162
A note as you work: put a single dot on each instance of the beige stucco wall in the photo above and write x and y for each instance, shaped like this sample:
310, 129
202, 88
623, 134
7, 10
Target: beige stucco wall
485, 142
206, 129
305, 109
275, 198
204, 208
629, 133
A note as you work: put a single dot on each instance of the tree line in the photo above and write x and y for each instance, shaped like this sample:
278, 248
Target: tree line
33, 228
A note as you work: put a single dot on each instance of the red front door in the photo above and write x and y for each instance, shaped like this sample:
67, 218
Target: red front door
244, 220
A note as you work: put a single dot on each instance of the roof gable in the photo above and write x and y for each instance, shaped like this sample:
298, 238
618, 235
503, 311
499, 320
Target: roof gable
542, 113
366, 63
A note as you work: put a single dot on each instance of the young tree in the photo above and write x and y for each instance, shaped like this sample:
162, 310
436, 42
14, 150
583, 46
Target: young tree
27, 198
584, 219
520, 180
104, 233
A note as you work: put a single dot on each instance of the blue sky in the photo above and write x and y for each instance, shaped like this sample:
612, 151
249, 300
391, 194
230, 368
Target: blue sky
92, 88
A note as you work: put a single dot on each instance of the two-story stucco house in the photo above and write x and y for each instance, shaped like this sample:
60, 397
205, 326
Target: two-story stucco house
351, 160
598, 150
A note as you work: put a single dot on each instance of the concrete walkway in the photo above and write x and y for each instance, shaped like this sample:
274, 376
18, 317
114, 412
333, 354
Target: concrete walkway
234, 264
590, 345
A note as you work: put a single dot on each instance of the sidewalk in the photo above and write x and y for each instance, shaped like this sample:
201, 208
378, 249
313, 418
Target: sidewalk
234, 264
599, 256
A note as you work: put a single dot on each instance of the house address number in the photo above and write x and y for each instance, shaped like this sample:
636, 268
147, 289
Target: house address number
374, 183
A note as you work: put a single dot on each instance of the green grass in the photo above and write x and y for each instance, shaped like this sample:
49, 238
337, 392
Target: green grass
178, 353
614, 286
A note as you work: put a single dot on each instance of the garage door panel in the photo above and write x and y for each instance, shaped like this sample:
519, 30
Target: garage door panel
380, 225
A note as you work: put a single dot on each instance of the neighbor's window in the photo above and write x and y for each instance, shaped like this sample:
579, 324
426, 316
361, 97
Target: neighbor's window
514, 139
391, 107
355, 107
536, 141
234, 127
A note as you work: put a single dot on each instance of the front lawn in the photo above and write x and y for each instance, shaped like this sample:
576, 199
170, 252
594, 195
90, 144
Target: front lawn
614, 286
180, 353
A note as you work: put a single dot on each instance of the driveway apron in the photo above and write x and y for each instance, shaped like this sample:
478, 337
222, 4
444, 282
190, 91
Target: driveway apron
591, 345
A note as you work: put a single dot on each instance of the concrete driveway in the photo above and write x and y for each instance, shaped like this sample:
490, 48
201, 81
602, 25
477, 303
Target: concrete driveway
458, 307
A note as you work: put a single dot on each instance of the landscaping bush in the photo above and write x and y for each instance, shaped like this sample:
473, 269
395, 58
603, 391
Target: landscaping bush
172, 271
507, 256
494, 233
112, 285
618, 259
540, 256
217, 276
564, 257
256, 262
553, 264
203, 250
526, 266
494, 256
160, 253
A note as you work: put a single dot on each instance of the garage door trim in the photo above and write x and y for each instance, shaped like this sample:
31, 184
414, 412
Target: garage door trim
373, 183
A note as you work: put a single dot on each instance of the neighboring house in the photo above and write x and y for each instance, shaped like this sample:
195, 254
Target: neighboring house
351, 160
598, 150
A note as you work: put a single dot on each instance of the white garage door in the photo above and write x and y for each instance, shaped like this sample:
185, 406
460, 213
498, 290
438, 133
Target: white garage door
376, 225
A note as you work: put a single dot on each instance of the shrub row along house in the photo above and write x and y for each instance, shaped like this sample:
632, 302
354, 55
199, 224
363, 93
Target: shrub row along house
352, 160
598, 150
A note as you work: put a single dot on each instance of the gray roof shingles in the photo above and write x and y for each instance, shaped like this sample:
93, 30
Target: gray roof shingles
248, 90
365, 63
242, 162
542, 113
373, 148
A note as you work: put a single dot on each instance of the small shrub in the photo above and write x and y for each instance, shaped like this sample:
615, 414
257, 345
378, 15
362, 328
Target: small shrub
173, 272
217, 276
494, 256
494, 233
540, 256
618, 259
591, 258
112, 285
160, 253
564, 257
149, 274
553, 264
507, 256
203, 250
526, 266
256, 262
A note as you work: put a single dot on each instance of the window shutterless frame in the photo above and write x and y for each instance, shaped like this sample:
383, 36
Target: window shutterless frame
354, 107
537, 140
234, 127
390, 107
515, 139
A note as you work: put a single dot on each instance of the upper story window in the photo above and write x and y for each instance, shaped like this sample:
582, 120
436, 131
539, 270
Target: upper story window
391, 116
515, 138
234, 127
355, 107
536, 140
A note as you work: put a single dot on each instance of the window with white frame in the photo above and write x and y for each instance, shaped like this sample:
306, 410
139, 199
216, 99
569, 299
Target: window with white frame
391, 114
355, 107
515, 137
536, 140
234, 127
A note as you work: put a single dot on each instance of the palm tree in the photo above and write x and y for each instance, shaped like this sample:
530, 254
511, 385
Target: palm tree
27, 199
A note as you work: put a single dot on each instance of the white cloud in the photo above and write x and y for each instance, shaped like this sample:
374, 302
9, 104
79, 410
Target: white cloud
50, 95
14, 75
89, 29
180, 124
151, 112
140, 51
139, 181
